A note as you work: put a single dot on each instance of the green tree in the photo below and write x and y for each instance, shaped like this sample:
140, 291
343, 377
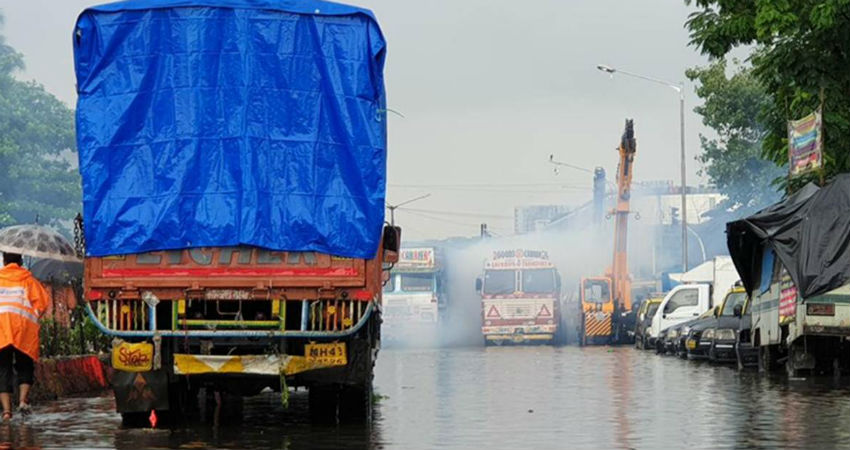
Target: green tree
732, 161
36, 146
799, 49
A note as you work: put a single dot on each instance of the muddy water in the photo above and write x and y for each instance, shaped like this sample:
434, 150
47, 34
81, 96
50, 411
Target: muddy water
523, 397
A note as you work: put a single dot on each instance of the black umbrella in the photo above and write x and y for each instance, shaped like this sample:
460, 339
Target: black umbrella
56, 272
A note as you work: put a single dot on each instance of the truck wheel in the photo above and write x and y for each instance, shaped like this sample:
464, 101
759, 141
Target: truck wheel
135, 420
324, 403
355, 403
767, 361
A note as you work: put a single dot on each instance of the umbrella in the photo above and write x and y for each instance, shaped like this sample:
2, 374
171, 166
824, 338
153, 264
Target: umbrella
58, 272
37, 241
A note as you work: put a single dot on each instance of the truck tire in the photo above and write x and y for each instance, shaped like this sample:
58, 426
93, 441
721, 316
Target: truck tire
323, 403
355, 403
767, 359
135, 420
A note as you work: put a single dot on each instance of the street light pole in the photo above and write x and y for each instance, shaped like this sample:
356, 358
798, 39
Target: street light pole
680, 88
392, 208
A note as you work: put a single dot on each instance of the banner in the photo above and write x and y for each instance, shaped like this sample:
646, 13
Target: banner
805, 142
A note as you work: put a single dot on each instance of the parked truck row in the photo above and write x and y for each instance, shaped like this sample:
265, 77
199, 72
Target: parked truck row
789, 311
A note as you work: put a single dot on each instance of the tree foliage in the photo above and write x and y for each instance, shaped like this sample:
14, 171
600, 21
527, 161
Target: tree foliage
36, 144
800, 49
732, 161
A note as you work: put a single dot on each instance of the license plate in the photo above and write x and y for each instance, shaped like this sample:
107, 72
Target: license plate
332, 354
130, 357
692, 344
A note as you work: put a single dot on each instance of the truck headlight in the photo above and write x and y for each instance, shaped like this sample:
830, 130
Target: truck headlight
725, 334
708, 334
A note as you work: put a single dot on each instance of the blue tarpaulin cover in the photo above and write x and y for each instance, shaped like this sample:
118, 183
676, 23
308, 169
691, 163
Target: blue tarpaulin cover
231, 122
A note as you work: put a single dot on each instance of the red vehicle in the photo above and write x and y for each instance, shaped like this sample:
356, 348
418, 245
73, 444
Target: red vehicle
239, 320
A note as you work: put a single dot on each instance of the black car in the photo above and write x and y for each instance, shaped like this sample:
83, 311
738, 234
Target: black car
644, 321
696, 347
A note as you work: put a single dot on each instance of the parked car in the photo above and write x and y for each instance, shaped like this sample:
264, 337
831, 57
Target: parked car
718, 340
644, 320
700, 343
696, 328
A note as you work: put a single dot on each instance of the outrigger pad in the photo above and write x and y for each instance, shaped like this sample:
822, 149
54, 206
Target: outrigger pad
140, 391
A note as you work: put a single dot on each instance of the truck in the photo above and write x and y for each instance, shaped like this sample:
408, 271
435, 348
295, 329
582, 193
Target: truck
703, 288
795, 265
415, 299
520, 298
233, 167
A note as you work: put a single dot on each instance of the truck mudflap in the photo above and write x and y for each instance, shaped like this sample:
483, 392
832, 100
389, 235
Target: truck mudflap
140, 391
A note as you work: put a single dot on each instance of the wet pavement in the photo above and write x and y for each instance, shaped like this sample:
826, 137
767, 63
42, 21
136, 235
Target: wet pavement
514, 397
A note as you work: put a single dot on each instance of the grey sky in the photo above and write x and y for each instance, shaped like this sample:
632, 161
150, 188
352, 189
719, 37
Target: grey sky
489, 88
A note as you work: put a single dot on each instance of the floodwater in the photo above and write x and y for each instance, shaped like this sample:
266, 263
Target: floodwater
500, 398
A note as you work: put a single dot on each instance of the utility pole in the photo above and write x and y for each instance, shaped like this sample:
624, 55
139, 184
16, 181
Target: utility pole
598, 195
392, 208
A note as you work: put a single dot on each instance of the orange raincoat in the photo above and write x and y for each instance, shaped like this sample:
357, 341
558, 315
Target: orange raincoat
22, 300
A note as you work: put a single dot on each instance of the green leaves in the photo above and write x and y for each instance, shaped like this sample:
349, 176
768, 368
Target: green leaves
798, 48
37, 147
732, 160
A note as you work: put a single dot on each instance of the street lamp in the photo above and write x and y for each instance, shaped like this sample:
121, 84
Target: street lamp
392, 208
680, 88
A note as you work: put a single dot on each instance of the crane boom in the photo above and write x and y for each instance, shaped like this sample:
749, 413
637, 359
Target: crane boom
606, 301
620, 280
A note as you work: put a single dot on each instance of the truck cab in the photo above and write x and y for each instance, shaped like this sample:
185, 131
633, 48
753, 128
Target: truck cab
681, 304
597, 310
414, 298
520, 297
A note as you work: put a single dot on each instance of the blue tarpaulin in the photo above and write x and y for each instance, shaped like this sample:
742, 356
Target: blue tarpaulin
231, 122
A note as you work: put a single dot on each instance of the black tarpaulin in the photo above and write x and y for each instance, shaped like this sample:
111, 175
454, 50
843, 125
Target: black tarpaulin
809, 232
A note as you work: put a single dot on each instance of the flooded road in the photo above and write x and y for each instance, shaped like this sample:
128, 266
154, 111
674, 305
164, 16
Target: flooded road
521, 397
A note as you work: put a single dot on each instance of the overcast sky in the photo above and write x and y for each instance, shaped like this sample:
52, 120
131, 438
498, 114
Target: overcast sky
489, 89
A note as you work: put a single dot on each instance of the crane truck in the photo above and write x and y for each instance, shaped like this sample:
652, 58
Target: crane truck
606, 304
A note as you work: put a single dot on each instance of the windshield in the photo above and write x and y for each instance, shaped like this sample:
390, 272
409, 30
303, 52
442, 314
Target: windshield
596, 291
652, 308
499, 282
732, 300
538, 281
417, 282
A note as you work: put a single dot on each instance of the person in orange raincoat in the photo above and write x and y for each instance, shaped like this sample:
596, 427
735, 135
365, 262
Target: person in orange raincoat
22, 301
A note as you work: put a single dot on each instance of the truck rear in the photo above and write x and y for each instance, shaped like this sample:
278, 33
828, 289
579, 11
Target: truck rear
233, 159
520, 298
238, 320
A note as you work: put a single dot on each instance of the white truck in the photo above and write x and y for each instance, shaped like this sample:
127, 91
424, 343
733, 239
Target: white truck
808, 335
701, 289
414, 298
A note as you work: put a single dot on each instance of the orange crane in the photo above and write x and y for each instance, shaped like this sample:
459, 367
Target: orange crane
606, 301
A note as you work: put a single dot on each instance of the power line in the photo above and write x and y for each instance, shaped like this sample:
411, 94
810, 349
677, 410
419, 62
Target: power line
454, 213
439, 219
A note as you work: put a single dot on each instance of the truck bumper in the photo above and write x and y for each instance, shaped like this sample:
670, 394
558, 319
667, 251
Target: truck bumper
517, 338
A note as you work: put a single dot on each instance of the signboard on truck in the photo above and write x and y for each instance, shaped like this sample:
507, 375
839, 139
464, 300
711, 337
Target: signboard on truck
416, 258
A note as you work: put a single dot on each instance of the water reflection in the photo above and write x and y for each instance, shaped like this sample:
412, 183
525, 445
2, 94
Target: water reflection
515, 397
